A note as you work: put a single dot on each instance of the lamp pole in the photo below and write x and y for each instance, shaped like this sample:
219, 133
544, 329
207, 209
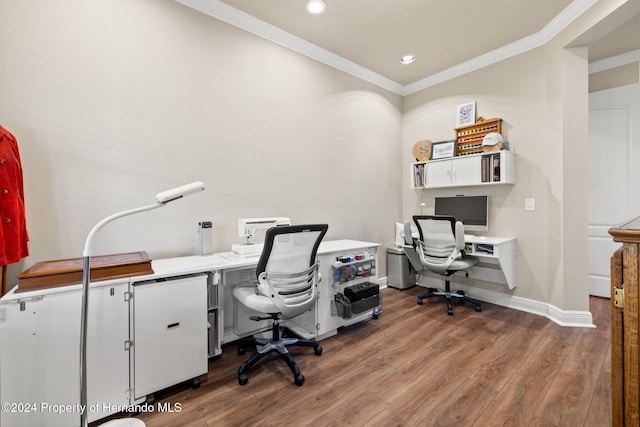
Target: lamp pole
161, 199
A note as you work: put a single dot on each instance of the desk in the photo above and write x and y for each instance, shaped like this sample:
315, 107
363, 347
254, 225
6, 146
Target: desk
497, 259
497, 256
40, 332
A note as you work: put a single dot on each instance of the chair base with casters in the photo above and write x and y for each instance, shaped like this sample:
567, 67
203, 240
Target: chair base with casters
449, 295
278, 343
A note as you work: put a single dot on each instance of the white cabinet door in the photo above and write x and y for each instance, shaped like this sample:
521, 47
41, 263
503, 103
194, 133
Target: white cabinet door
39, 356
466, 170
455, 172
170, 333
107, 359
439, 173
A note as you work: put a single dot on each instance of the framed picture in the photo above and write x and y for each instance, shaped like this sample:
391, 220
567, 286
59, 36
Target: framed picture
466, 114
443, 150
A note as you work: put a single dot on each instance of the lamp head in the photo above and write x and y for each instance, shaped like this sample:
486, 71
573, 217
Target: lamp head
178, 192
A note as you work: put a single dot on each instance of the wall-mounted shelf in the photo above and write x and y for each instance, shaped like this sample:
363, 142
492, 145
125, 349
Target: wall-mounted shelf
469, 138
476, 169
344, 272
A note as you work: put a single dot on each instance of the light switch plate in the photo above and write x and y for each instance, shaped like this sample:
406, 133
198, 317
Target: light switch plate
530, 204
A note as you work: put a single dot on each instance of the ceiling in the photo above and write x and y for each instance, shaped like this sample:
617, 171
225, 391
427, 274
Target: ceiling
368, 37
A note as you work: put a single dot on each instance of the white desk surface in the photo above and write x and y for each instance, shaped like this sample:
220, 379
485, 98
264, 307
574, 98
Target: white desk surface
489, 240
224, 260
344, 245
194, 264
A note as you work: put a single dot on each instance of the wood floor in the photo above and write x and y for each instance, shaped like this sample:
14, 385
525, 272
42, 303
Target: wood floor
416, 366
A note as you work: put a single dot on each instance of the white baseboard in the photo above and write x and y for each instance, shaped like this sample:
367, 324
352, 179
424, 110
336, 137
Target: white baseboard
382, 282
571, 318
559, 316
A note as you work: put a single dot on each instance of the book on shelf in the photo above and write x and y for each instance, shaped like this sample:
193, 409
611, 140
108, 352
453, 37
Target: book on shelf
485, 168
496, 167
490, 168
419, 175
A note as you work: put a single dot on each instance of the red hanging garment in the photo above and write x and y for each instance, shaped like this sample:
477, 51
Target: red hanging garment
13, 225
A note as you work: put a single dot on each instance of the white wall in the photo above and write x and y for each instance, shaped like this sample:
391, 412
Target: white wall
529, 118
113, 101
542, 96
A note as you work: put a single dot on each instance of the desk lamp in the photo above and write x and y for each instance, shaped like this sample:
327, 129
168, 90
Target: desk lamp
161, 199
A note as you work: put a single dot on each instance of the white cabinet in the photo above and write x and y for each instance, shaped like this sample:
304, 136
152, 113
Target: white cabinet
135, 346
329, 318
458, 171
39, 354
477, 169
324, 319
169, 332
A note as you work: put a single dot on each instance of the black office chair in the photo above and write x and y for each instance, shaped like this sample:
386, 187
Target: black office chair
441, 250
287, 284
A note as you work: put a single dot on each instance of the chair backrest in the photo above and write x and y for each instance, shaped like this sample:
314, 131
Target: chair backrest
287, 270
441, 240
437, 232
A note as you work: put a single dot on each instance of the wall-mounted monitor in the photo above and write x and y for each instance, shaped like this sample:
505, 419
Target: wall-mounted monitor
473, 211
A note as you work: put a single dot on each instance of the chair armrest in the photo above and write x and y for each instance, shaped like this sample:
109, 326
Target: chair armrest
413, 257
460, 236
408, 239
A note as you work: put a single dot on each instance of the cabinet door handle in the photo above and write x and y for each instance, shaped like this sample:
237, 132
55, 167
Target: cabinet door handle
173, 325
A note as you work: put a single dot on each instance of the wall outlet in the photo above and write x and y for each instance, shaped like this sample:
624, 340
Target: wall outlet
530, 204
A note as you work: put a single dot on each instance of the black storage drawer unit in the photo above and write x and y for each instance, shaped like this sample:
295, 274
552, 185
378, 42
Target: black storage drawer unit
357, 299
355, 293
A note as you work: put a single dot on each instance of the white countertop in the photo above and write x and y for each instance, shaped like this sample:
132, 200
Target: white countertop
489, 240
194, 264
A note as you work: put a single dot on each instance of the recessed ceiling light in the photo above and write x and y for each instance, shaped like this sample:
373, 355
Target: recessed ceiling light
407, 59
316, 7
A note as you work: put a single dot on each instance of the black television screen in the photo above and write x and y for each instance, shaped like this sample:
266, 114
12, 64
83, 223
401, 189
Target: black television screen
473, 211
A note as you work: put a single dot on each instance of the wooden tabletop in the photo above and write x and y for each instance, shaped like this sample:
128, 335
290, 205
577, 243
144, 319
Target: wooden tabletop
629, 232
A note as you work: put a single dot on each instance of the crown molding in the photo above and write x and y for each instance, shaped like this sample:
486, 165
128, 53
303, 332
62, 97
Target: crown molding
555, 26
240, 19
615, 61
